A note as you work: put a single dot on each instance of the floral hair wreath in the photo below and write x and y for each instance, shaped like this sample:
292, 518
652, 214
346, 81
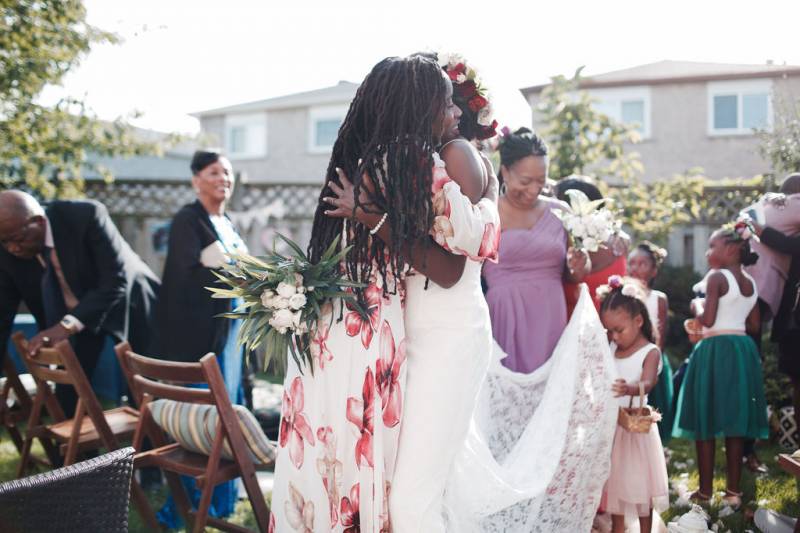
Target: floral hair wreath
467, 87
741, 231
659, 254
627, 286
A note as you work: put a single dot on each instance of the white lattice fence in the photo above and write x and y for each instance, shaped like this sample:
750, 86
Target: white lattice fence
725, 202
142, 209
155, 198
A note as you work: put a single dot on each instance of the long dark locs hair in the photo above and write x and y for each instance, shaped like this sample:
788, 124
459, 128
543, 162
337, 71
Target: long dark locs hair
389, 127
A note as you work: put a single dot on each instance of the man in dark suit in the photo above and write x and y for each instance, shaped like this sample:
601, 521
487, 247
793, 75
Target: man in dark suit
786, 323
77, 276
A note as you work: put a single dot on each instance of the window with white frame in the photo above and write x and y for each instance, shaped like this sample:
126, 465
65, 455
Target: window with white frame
246, 135
323, 127
739, 107
628, 105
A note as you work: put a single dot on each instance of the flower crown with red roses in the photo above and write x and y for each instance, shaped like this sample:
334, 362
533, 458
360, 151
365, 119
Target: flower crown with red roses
740, 231
469, 93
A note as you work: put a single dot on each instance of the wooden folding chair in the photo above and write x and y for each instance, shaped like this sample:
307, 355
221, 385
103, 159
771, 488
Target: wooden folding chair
152, 379
15, 408
90, 429
12, 415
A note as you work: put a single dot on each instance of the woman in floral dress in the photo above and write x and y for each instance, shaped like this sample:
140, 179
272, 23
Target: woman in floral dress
448, 334
341, 419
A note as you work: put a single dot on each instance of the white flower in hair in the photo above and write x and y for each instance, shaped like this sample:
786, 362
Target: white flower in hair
629, 290
602, 291
454, 60
485, 116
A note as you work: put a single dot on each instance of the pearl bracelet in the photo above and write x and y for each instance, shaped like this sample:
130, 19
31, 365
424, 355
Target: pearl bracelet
375, 230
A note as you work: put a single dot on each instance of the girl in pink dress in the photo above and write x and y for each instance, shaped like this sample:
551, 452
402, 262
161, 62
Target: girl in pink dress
637, 483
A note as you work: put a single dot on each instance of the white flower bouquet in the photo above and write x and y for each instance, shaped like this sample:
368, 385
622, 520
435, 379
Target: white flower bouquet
590, 224
282, 298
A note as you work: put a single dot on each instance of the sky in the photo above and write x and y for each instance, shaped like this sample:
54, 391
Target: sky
183, 56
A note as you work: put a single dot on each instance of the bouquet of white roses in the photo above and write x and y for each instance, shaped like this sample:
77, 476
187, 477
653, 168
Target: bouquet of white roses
589, 224
282, 298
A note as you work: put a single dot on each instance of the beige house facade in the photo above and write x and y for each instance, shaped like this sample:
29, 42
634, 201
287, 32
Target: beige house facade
693, 114
287, 139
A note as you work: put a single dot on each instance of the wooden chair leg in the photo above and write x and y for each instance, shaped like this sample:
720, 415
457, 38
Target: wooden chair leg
201, 515
52, 452
208, 484
16, 437
257, 501
143, 506
19, 443
72, 444
182, 501
25, 456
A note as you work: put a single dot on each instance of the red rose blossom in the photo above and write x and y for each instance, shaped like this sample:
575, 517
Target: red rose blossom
466, 89
477, 102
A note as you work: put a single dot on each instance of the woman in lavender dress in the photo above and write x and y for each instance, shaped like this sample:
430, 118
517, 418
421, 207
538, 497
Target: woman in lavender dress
525, 294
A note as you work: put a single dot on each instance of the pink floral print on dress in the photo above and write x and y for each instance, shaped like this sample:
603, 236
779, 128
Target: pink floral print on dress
294, 425
387, 370
330, 469
355, 323
319, 347
351, 519
362, 413
299, 513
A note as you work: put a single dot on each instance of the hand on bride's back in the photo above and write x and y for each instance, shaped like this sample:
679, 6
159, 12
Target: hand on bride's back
492, 183
344, 199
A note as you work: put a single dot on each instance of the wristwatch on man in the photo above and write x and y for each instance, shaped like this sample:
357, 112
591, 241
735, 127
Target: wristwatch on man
70, 323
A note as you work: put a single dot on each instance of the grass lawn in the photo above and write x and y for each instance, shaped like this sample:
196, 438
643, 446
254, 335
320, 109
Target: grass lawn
9, 460
775, 490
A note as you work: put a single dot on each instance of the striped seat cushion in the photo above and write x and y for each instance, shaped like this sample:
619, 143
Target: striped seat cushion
193, 426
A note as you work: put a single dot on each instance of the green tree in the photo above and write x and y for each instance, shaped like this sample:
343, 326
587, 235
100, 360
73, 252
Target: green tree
583, 140
46, 148
781, 145
650, 210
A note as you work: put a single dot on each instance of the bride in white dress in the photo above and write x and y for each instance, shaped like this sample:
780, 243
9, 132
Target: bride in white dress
483, 448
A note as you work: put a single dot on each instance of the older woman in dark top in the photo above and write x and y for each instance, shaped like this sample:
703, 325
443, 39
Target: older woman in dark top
187, 328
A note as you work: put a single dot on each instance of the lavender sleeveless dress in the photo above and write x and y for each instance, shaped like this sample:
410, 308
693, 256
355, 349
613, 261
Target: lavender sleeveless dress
526, 295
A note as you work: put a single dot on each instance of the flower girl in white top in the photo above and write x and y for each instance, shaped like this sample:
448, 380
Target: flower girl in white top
637, 483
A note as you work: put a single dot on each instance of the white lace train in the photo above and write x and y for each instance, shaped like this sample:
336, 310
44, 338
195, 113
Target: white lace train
539, 445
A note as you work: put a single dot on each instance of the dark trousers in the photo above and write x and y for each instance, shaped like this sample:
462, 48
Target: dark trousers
763, 308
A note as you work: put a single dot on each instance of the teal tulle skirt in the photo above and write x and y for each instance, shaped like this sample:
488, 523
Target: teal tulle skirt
661, 397
722, 394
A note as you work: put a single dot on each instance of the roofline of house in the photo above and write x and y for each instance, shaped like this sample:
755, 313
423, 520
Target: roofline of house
286, 101
589, 84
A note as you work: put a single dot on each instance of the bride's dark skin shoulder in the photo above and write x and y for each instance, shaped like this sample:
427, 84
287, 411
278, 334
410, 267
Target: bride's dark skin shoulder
465, 167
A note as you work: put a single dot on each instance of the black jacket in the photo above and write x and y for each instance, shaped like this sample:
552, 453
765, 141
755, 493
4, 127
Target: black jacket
186, 325
785, 319
115, 289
